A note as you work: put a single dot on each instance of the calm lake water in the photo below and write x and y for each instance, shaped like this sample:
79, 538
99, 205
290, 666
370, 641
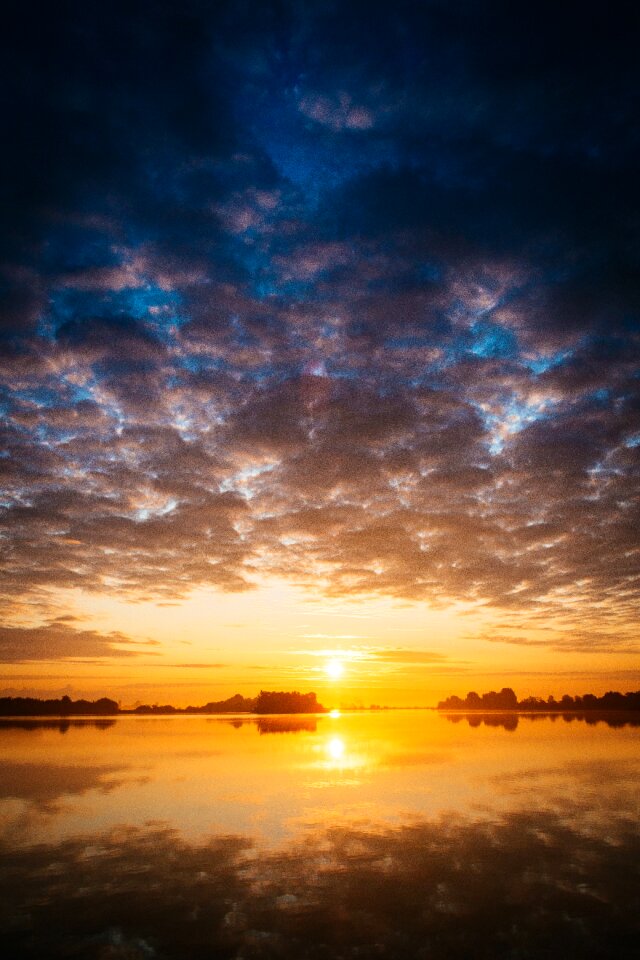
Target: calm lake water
391, 834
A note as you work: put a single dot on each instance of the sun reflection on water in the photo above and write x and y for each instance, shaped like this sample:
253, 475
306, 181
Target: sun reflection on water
342, 756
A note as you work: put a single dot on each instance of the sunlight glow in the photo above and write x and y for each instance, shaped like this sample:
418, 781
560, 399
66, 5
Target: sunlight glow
334, 669
335, 748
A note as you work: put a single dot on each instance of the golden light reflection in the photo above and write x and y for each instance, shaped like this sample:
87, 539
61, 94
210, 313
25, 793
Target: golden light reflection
334, 713
342, 755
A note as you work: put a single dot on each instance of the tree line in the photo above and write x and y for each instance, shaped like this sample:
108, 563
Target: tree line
506, 699
268, 701
62, 707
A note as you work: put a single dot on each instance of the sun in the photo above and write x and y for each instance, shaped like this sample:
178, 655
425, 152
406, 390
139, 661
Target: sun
334, 669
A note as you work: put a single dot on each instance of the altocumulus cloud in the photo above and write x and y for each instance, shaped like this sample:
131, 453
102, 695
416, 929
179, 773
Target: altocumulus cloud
287, 300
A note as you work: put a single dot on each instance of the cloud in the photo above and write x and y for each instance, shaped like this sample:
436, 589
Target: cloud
198, 666
337, 113
577, 641
415, 657
365, 323
56, 641
397, 656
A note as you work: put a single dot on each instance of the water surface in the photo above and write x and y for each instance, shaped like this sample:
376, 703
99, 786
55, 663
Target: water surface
397, 833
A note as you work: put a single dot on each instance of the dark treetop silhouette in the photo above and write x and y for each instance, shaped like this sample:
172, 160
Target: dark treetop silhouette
64, 707
269, 701
507, 700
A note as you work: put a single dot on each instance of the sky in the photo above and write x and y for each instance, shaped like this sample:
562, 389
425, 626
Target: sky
319, 344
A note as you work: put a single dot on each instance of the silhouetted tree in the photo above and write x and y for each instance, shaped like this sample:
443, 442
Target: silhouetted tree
284, 702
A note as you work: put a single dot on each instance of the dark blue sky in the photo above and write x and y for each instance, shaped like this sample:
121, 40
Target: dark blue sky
340, 292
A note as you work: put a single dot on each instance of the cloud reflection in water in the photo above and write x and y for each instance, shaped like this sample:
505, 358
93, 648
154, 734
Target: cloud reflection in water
520, 886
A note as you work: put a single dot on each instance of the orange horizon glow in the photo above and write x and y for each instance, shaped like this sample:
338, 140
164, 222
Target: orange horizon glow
350, 652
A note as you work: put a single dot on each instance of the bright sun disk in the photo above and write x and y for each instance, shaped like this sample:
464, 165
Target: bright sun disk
334, 669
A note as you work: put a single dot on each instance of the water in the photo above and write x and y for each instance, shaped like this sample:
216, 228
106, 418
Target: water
390, 834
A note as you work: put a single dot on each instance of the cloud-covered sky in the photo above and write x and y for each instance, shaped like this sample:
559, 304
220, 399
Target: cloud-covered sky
342, 294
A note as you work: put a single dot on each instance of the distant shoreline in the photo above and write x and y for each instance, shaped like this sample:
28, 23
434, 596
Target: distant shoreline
525, 710
268, 702
294, 703
250, 715
506, 701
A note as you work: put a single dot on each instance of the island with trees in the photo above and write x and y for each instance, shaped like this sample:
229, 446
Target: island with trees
506, 700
